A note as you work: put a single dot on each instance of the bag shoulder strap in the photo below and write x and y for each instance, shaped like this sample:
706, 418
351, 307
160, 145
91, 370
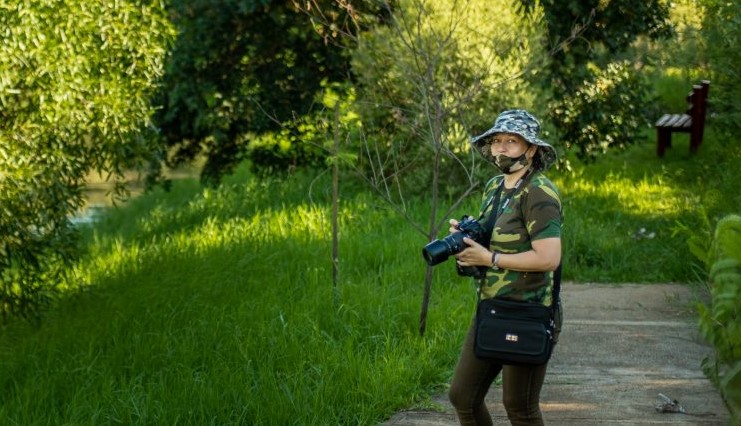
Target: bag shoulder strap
556, 294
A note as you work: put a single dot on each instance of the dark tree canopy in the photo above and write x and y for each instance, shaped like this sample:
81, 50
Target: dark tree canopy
240, 68
597, 98
610, 26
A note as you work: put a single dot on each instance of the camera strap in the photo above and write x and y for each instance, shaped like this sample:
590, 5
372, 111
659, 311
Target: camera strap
496, 208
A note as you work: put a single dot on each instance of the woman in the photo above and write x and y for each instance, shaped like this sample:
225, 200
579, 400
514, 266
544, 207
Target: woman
524, 251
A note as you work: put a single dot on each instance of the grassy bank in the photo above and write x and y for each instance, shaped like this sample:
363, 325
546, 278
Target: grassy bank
217, 306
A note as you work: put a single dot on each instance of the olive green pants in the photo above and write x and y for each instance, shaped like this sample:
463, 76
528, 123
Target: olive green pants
520, 388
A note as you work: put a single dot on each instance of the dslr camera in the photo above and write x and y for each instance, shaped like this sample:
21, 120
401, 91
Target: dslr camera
439, 250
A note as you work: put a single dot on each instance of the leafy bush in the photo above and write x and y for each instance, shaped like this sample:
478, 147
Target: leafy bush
282, 150
305, 141
75, 82
720, 323
605, 112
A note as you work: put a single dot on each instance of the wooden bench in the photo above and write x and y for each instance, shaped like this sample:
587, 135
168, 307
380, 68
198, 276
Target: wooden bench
692, 122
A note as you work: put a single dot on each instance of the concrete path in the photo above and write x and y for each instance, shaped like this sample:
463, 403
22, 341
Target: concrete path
620, 347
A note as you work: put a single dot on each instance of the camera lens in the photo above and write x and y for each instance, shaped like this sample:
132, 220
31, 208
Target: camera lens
435, 252
439, 250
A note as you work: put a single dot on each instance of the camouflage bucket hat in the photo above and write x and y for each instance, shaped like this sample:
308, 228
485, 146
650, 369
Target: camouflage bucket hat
519, 122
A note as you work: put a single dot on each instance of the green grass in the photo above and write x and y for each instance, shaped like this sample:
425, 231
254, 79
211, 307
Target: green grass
217, 306
626, 216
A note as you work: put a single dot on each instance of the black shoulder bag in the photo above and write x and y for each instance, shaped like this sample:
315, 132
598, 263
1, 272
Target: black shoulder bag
511, 332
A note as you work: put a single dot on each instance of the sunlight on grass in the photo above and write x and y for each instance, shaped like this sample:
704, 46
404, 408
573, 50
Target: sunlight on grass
651, 195
294, 225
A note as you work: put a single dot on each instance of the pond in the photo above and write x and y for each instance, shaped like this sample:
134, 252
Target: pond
99, 192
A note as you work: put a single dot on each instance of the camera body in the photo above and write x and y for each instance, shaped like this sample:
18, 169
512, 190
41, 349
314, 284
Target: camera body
438, 251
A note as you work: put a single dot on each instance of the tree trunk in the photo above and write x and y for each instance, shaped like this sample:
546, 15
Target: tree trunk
433, 227
335, 205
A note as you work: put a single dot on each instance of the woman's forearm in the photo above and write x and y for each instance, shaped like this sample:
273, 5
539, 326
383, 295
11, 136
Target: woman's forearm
528, 261
545, 256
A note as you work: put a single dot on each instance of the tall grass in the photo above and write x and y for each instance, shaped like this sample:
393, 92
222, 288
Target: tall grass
216, 306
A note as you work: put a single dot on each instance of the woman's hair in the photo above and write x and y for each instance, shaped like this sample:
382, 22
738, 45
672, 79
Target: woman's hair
538, 163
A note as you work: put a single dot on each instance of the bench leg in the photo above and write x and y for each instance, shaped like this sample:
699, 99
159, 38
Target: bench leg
695, 140
663, 141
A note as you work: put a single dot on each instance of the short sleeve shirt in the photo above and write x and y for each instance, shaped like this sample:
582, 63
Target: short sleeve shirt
534, 213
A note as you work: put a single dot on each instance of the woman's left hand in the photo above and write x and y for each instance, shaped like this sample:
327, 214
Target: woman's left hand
474, 255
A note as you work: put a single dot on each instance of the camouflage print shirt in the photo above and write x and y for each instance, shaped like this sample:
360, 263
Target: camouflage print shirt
534, 213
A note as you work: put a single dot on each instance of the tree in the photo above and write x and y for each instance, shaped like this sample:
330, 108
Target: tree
240, 69
75, 82
721, 31
607, 28
423, 80
598, 97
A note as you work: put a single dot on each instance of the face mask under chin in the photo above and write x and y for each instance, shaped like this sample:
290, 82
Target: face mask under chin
509, 165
